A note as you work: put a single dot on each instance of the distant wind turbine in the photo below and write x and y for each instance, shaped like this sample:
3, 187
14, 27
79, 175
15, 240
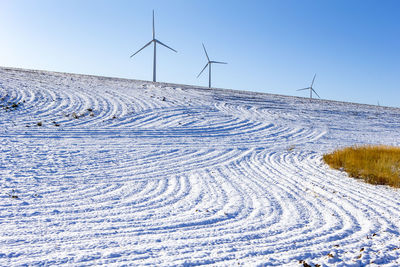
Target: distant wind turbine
209, 67
155, 41
310, 88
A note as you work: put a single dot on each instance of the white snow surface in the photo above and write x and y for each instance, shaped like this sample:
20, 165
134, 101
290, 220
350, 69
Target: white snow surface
127, 172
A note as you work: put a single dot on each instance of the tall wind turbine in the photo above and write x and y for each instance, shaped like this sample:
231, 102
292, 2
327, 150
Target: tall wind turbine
209, 67
310, 88
155, 42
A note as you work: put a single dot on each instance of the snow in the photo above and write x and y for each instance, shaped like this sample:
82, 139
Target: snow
126, 172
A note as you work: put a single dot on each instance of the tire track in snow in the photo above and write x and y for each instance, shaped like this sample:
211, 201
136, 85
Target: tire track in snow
166, 174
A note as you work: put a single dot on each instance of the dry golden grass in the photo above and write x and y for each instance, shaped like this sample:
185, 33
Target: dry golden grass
375, 164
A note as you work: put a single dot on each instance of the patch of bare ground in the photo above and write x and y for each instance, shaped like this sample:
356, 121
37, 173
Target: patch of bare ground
376, 164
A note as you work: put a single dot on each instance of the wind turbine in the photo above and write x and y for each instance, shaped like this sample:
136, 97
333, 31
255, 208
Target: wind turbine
155, 42
209, 67
310, 88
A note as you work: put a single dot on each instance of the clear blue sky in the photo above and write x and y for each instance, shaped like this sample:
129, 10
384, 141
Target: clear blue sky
272, 46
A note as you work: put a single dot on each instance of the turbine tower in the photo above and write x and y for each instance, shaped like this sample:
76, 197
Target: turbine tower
310, 88
155, 42
209, 67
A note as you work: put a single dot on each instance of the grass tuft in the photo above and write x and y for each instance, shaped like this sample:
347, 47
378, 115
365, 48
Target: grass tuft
375, 164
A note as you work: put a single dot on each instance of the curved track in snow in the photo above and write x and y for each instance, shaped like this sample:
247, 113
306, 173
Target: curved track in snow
129, 172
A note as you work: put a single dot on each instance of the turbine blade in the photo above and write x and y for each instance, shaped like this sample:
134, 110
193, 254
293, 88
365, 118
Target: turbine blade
218, 62
166, 46
312, 83
315, 93
202, 70
308, 88
154, 30
142, 48
205, 51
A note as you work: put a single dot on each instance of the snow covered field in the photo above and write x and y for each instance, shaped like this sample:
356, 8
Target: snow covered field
125, 172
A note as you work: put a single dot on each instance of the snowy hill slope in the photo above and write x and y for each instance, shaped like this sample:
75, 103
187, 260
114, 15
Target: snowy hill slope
110, 171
